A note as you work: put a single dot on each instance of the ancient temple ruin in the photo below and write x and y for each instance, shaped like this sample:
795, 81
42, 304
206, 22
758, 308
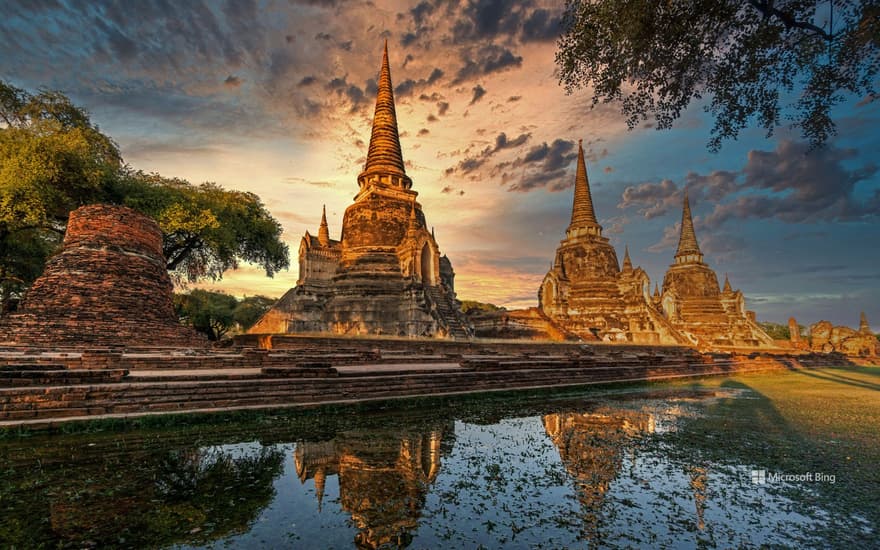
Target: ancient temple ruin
108, 286
825, 337
587, 294
695, 305
385, 275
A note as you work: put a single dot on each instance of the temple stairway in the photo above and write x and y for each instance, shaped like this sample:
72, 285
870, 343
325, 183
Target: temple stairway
446, 311
43, 389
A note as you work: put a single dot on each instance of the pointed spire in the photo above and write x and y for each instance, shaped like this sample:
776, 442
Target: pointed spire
320, 480
582, 213
687, 242
727, 287
656, 291
324, 231
864, 327
413, 220
627, 263
384, 156
432, 233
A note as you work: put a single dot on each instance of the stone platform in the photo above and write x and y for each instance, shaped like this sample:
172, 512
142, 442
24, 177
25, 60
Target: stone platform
42, 388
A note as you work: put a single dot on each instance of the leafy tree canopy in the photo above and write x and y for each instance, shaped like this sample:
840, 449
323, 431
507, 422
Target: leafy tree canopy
207, 229
53, 159
211, 313
781, 332
250, 309
217, 314
473, 306
750, 57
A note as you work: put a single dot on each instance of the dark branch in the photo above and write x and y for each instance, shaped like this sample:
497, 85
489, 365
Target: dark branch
769, 10
182, 254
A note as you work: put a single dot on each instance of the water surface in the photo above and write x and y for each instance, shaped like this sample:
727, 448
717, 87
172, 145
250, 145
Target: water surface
669, 465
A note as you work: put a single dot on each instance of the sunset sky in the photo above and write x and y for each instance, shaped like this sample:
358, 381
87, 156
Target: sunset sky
276, 97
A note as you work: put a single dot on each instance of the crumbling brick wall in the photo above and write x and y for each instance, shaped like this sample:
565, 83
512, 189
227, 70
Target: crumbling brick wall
108, 285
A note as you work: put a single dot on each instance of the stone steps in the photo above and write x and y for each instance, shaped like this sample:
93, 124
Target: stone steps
230, 393
39, 375
447, 313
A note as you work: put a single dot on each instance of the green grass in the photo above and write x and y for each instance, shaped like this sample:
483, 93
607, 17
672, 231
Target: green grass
822, 420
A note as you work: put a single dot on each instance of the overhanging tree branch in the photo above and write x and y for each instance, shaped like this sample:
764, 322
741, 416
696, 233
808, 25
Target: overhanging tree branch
769, 10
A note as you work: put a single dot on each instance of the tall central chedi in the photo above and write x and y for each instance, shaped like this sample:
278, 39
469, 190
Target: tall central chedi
385, 275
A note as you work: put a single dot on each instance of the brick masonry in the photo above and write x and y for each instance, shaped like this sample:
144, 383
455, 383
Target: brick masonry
108, 286
42, 388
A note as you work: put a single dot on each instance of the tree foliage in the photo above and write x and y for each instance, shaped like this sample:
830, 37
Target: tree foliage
469, 307
211, 313
217, 314
250, 309
781, 332
754, 59
53, 159
207, 229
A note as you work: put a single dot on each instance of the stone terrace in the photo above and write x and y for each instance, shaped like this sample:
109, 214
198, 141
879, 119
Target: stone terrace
40, 388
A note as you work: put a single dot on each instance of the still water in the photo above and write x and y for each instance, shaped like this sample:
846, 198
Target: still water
632, 467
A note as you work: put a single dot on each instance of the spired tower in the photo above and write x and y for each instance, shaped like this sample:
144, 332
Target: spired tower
385, 275
586, 293
693, 302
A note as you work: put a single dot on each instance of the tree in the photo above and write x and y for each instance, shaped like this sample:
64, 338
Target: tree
211, 313
53, 159
207, 229
754, 59
250, 309
469, 307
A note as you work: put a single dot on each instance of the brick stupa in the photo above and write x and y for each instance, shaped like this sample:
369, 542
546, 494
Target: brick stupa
108, 286
385, 275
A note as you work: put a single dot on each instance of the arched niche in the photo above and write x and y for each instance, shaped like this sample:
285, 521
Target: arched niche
548, 293
426, 265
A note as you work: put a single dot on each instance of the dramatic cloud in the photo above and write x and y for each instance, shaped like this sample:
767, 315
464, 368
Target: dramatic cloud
542, 25
502, 142
669, 240
543, 166
795, 184
792, 184
488, 59
479, 92
481, 20
652, 199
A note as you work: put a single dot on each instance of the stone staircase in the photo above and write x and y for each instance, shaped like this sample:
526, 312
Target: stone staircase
43, 394
15, 376
446, 310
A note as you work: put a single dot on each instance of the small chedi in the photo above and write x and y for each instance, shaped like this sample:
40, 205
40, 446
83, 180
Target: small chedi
694, 304
587, 294
385, 274
107, 286
825, 337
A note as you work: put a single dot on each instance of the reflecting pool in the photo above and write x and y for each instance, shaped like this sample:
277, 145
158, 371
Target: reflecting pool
731, 462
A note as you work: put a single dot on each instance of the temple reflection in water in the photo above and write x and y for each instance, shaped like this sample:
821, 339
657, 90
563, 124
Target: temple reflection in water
591, 446
384, 478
